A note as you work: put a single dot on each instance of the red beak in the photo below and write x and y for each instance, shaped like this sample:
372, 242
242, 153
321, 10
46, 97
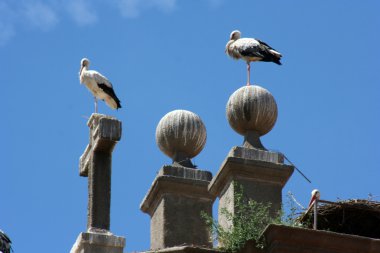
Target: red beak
312, 200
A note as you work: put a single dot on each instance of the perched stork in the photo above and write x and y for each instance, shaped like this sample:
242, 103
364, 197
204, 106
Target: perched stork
5, 243
99, 85
250, 49
315, 195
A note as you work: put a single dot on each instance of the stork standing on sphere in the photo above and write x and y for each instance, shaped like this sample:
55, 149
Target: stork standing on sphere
250, 50
315, 195
99, 85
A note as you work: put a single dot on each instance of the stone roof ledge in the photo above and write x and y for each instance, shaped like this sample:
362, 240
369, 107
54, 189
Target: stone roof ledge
285, 239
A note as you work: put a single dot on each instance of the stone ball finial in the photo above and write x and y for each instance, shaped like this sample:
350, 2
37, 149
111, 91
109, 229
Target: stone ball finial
252, 110
181, 135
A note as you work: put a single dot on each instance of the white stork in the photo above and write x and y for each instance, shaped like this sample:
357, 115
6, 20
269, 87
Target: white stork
99, 85
250, 49
315, 195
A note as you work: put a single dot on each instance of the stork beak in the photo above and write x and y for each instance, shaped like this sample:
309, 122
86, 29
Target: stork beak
80, 71
312, 199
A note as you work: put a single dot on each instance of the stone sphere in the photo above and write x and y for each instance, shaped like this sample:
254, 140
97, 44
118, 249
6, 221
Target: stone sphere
181, 131
251, 108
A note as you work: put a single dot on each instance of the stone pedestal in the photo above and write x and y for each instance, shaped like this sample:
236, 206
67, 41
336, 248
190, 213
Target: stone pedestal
262, 174
98, 243
175, 201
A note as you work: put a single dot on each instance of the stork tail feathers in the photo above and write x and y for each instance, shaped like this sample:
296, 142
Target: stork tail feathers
111, 102
277, 61
275, 56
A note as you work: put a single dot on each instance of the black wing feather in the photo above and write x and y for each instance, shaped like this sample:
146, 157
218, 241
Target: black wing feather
254, 51
265, 44
110, 92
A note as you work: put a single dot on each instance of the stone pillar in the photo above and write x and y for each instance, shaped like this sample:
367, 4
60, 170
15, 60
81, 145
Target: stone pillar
261, 180
252, 112
96, 164
174, 202
179, 193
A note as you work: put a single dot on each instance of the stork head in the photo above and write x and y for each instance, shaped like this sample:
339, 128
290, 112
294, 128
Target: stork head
235, 35
84, 63
315, 194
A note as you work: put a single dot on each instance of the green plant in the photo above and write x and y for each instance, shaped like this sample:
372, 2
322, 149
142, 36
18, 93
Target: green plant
248, 221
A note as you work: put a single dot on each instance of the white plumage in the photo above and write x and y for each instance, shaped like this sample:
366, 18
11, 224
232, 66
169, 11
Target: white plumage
250, 50
99, 85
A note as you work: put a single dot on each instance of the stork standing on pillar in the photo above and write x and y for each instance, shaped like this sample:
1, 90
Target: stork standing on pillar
315, 195
250, 50
98, 85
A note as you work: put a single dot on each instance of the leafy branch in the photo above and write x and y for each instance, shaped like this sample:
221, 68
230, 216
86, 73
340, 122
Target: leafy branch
247, 222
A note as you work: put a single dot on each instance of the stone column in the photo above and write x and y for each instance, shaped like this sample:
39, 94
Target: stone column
252, 112
179, 193
96, 164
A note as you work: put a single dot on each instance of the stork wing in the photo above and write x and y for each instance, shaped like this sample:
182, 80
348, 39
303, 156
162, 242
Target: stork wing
99, 78
250, 47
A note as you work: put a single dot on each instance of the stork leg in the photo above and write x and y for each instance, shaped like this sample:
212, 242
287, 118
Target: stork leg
248, 73
96, 105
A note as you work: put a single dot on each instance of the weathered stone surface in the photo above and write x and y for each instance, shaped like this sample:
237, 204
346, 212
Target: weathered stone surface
262, 181
96, 163
98, 243
181, 135
249, 169
174, 202
283, 239
256, 154
105, 132
178, 171
251, 108
99, 191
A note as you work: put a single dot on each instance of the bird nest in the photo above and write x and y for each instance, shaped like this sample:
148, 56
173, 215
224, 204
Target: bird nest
356, 217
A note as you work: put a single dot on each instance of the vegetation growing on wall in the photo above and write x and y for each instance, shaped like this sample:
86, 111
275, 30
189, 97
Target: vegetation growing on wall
247, 223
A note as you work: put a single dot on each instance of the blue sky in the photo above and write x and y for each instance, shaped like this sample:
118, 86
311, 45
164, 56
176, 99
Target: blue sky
163, 55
